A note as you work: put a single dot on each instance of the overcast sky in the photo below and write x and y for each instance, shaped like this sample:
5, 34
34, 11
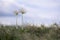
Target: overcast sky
37, 11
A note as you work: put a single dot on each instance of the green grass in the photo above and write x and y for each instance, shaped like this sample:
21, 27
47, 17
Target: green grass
30, 33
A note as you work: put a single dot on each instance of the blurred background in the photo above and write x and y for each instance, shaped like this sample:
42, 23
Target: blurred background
37, 11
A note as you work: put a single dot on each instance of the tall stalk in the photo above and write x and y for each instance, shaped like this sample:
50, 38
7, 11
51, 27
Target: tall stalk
16, 14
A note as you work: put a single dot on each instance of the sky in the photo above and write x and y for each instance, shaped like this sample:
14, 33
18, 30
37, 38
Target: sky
37, 11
